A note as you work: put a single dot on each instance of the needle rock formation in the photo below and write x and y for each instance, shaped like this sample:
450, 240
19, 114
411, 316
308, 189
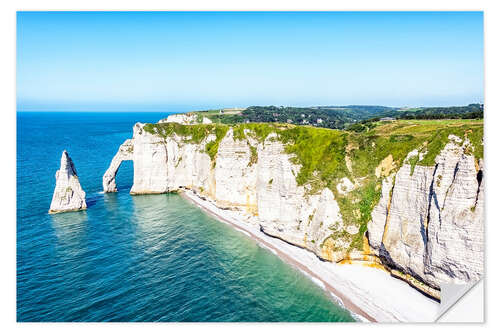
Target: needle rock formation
68, 194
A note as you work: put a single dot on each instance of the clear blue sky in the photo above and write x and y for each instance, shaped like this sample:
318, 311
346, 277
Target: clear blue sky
181, 61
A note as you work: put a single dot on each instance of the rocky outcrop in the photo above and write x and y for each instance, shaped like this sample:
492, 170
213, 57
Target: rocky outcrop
427, 225
68, 194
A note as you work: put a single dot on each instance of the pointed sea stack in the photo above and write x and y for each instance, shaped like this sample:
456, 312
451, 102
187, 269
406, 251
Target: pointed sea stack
68, 194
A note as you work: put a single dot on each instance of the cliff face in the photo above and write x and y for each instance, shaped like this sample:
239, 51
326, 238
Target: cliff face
261, 183
428, 222
162, 165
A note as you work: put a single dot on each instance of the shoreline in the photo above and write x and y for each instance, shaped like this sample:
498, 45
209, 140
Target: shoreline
368, 293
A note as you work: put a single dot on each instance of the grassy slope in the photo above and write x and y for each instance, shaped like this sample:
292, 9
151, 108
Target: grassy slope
322, 154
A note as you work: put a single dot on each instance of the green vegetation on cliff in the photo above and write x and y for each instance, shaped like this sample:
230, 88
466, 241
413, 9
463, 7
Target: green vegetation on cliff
326, 156
370, 150
320, 152
192, 134
212, 147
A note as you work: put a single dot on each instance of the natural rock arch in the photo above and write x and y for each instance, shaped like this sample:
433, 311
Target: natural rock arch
125, 153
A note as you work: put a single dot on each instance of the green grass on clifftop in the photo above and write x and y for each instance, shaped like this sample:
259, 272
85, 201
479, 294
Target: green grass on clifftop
192, 134
325, 156
320, 152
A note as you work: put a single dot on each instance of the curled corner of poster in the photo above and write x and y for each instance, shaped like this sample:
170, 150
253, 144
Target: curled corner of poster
462, 303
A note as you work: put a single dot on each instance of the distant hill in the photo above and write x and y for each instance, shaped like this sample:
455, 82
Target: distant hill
451, 112
339, 117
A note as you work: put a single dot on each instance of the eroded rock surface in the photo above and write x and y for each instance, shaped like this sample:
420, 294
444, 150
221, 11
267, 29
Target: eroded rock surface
430, 223
68, 193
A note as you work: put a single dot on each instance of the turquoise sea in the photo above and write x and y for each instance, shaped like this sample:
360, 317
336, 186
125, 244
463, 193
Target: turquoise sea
136, 258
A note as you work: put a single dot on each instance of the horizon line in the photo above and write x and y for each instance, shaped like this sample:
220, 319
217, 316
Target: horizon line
236, 107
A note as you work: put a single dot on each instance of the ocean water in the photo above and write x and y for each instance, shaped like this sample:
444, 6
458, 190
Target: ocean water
136, 258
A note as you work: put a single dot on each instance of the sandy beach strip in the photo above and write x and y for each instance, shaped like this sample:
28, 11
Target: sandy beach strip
370, 294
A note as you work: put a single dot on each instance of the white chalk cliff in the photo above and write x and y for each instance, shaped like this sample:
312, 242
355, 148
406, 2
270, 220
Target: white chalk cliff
185, 119
427, 225
68, 193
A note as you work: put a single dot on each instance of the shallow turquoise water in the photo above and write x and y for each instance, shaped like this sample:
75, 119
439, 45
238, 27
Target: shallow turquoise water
136, 258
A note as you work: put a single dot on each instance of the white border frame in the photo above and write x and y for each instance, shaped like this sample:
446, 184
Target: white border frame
8, 136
